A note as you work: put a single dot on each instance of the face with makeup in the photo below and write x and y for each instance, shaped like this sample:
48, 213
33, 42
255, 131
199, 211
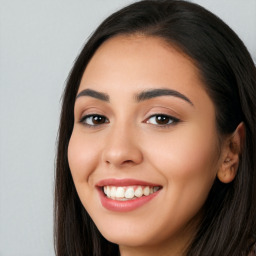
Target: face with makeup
144, 150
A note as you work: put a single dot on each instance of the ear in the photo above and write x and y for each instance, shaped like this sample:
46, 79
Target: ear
231, 153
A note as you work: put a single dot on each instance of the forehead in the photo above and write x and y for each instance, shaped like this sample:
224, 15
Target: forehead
142, 54
133, 63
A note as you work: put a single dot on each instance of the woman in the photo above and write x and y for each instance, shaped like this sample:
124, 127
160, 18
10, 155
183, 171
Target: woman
156, 152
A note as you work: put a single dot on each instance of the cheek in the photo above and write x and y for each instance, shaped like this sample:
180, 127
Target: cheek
188, 164
189, 151
188, 161
82, 156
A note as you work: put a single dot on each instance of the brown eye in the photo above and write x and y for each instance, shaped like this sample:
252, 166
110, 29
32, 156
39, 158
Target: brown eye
162, 120
94, 120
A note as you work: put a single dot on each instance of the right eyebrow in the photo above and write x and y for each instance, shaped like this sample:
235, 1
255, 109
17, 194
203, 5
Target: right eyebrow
94, 94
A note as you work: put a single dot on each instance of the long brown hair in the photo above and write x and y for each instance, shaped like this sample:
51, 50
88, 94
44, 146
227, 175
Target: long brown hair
229, 76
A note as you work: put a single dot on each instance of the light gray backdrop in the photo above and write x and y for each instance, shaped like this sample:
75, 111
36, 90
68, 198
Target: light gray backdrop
39, 41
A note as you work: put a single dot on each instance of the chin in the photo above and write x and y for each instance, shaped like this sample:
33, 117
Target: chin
127, 239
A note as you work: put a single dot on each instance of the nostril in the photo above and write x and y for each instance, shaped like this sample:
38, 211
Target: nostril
122, 155
127, 161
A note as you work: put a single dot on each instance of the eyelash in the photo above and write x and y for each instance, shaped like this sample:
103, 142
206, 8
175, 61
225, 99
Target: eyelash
171, 120
86, 117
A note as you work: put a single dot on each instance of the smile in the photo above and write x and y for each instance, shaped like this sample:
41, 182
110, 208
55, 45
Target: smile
125, 193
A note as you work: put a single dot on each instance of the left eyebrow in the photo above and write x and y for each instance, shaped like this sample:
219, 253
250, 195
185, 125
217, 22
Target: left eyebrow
149, 94
94, 94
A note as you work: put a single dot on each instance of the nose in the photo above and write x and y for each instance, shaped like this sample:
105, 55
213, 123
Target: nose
122, 148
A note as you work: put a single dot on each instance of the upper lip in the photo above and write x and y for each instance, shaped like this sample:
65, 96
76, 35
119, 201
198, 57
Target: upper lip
125, 182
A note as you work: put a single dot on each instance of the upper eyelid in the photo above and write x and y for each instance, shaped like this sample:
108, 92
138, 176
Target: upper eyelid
90, 111
81, 108
175, 119
162, 110
163, 114
83, 118
156, 110
90, 115
149, 116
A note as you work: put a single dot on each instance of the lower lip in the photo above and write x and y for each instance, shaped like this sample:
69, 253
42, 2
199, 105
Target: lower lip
124, 206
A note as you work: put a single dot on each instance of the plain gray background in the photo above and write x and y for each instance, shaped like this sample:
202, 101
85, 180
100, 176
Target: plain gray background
39, 41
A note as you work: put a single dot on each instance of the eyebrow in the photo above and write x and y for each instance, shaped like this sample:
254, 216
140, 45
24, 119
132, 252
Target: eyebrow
94, 94
149, 94
145, 95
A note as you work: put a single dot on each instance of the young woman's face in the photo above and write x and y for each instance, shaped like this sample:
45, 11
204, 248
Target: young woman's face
145, 135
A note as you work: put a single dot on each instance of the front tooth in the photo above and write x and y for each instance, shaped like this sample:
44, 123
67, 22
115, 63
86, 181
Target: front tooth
108, 191
129, 193
146, 191
113, 192
138, 192
120, 192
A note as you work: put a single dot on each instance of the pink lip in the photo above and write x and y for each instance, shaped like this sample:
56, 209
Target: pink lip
124, 182
124, 206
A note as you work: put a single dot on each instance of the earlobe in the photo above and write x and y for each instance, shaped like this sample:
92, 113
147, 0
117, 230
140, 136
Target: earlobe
229, 166
228, 169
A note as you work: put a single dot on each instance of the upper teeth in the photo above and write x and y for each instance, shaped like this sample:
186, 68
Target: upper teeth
124, 193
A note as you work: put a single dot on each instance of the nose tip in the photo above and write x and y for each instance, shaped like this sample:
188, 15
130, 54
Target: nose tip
121, 158
122, 151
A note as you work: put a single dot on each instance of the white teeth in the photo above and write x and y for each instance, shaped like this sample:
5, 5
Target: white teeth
129, 193
113, 192
138, 192
146, 191
126, 193
108, 191
120, 192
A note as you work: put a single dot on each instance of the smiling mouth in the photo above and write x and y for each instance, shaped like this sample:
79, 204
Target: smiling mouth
125, 193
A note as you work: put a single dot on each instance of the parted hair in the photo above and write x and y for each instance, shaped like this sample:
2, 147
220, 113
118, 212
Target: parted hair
228, 224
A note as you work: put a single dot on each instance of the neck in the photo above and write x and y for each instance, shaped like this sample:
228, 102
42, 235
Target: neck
150, 251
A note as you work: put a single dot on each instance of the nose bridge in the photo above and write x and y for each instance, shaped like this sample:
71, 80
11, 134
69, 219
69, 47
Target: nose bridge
122, 145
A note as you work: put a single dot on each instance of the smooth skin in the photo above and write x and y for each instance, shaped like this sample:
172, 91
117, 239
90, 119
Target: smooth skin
168, 140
